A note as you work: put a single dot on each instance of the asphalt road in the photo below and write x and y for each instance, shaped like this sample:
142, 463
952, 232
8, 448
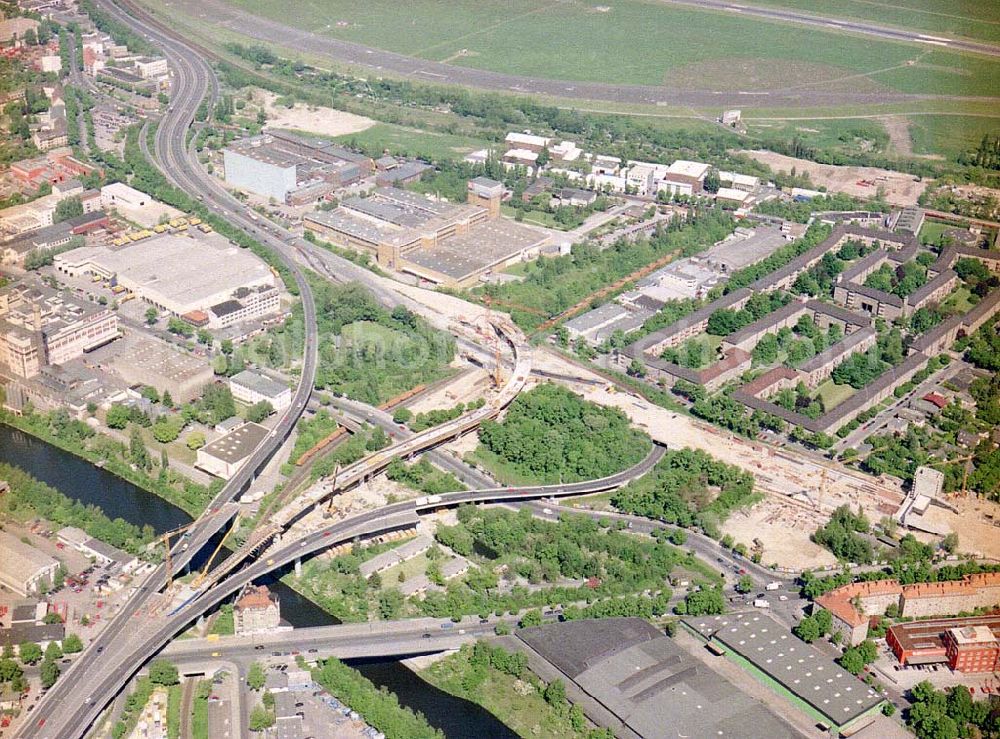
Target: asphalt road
217, 13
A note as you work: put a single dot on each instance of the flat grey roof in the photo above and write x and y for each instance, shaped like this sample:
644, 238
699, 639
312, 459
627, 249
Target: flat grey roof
238, 444
802, 669
483, 246
656, 688
259, 383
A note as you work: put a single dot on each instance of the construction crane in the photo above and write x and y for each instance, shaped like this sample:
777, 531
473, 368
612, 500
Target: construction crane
332, 509
965, 473
165, 540
208, 563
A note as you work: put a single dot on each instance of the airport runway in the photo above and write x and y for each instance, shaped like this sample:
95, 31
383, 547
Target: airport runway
218, 13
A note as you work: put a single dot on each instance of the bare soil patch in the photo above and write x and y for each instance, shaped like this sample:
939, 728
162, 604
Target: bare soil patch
900, 189
312, 119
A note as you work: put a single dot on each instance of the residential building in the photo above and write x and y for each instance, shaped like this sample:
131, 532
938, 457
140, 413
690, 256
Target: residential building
526, 141
253, 387
151, 67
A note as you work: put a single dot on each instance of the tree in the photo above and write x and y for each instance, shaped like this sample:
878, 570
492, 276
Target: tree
167, 400
72, 644
555, 693
49, 673
53, 652
118, 416
402, 415
950, 542
260, 719
259, 411
256, 677
66, 209
195, 440
162, 672
807, 630
151, 315
888, 709
745, 584
29, 653
531, 618
137, 450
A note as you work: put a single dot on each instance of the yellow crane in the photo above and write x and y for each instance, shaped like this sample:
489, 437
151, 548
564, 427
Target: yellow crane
965, 474
208, 563
165, 540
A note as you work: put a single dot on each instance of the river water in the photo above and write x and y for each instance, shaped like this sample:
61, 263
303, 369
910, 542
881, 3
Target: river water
79, 479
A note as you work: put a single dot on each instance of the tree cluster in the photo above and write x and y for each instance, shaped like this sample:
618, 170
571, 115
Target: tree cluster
551, 434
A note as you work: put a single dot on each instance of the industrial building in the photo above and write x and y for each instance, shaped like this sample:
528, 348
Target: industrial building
627, 675
833, 696
442, 243
22, 567
144, 360
684, 178
253, 387
224, 456
183, 274
290, 168
135, 205
40, 326
15, 251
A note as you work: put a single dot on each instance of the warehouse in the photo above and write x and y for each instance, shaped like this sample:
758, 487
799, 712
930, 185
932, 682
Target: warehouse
833, 696
142, 360
22, 567
627, 675
180, 274
224, 456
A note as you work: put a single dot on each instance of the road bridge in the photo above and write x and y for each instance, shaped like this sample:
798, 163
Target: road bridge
344, 641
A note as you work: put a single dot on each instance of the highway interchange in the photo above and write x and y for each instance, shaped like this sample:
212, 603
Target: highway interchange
135, 635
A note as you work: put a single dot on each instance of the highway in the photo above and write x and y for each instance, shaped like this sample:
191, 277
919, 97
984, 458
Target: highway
345, 641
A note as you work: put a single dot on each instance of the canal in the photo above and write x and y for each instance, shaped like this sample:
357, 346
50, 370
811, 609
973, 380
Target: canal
83, 481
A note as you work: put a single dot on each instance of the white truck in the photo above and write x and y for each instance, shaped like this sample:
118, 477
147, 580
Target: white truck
761, 603
772, 585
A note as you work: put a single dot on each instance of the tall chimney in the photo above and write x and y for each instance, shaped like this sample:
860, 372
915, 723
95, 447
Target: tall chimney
37, 311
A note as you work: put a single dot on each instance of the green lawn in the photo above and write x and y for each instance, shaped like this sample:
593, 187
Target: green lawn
536, 218
636, 42
931, 231
833, 394
413, 142
958, 301
950, 135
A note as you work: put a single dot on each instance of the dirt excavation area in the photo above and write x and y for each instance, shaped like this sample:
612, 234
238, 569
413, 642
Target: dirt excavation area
900, 189
792, 482
309, 118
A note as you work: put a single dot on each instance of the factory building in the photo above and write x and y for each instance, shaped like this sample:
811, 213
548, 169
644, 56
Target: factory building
40, 326
292, 169
182, 274
441, 243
